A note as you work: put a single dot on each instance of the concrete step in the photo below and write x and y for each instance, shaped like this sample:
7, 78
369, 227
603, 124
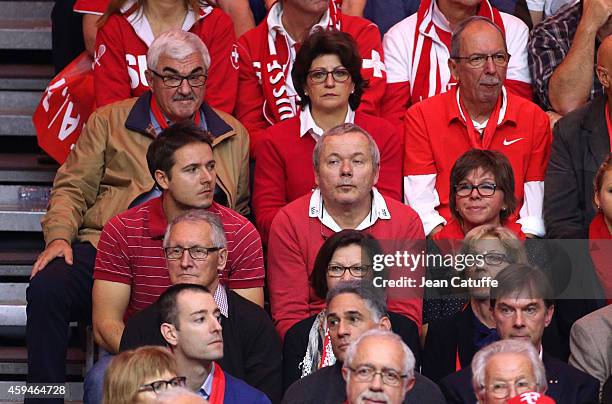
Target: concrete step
25, 76
26, 168
14, 361
25, 34
17, 263
20, 99
13, 312
16, 122
26, 10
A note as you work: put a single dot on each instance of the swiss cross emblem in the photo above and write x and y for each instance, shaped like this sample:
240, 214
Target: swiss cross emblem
375, 64
234, 57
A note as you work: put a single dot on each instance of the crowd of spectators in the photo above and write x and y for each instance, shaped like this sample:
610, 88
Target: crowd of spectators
278, 201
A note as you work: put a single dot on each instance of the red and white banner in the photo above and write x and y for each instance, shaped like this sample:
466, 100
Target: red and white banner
64, 108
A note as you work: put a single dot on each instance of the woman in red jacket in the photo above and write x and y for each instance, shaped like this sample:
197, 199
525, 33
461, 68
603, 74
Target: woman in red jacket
327, 76
127, 29
600, 230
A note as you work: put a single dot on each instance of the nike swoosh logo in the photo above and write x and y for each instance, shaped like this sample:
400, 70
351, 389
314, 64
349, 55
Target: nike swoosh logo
509, 142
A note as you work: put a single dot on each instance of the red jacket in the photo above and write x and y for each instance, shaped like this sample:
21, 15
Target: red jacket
121, 52
251, 108
295, 240
284, 166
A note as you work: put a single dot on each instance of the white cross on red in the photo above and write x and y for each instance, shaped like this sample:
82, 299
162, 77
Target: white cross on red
374, 63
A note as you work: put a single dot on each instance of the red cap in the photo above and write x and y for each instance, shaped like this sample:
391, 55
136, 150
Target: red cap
531, 397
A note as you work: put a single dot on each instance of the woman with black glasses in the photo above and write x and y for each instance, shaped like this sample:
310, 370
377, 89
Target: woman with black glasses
345, 256
327, 77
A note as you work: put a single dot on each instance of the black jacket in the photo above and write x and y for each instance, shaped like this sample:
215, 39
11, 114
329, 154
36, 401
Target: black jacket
296, 342
566, 385
251, 346
326, 386
580, 144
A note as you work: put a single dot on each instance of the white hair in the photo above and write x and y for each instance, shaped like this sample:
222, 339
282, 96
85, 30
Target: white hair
217, 234
177, 44
482, 357
174, 396
409, 361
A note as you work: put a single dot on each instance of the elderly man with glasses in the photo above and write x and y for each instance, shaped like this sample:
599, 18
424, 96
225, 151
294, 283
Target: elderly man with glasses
477, 113
101, 177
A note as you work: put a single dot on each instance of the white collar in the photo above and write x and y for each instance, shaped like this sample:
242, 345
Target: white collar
308, 124
439, 19
207, 385
502, 110
139, 22
275, 23
379, 210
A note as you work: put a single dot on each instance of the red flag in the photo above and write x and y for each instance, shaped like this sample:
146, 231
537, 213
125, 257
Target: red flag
64, 108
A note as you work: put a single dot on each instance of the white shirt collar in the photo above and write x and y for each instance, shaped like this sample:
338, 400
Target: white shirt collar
308, 124
379, 210
439, 19
207, 385
502, 110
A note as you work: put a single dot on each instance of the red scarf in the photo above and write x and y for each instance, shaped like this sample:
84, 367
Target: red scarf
601, 253
217, 395
427, 39
478, 141
276, 67
161, 119
607, 112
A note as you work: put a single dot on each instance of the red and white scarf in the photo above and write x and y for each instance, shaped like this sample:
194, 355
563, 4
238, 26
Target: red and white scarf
276, 68
430, 72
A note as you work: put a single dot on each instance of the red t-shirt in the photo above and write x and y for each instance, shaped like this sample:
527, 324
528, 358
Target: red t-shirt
130, 251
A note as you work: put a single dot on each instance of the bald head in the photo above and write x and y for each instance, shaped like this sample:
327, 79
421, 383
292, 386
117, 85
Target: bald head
604, 64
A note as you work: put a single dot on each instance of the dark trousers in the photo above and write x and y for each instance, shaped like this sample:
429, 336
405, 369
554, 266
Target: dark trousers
57, 295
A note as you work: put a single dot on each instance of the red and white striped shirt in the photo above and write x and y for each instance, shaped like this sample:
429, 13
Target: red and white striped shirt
130, 251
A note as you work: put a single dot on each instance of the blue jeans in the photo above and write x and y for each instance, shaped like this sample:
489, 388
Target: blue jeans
93, 387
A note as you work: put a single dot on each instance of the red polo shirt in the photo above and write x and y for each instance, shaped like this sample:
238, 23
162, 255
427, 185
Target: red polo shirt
435, 136
130, 251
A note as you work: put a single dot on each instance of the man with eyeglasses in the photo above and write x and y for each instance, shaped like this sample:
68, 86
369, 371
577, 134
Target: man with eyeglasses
191, 326
522, 307
378, 367
130, 270
104, 173
418, 47
346, 163
353, 309
478, 113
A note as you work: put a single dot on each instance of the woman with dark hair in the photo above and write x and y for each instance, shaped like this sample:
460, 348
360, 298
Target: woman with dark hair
327, 77
127, 29
600, 230
481, 192
347, 255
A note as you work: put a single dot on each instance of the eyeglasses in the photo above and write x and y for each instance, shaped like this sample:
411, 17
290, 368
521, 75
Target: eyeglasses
478, 60
495, 258
175, 80
390, 377
196, 252
159, 386
484, 189
358, 271
319, 76
502, 389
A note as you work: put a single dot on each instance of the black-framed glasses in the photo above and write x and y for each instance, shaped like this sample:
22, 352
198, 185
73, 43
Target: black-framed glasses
495, 258
484, 189
358, 271
502, 389
478, 59
339, 74
175, 80
365, 373
196, 252
159, 386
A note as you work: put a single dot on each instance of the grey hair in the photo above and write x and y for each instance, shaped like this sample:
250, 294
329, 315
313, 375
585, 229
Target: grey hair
217, 235
373, 298
343, 129
177, 44
456, 38
409, 360
174, 395
479, 363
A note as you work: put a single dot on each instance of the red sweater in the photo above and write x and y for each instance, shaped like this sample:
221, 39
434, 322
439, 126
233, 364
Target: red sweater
121, 51
600, 247
284, 169
295, 240
251, 106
